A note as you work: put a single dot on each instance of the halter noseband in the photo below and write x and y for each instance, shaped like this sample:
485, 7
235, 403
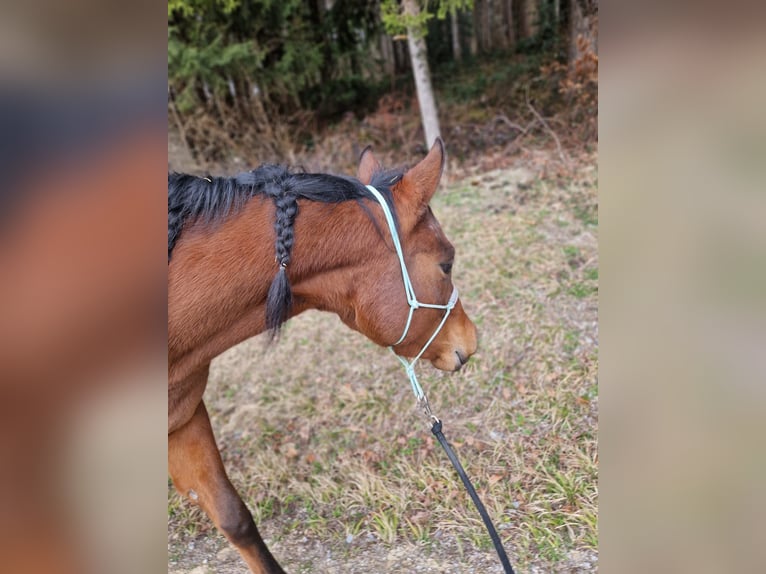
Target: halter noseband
413, 303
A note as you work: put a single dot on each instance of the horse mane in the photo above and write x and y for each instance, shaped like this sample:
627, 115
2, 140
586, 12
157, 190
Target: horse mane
193, 199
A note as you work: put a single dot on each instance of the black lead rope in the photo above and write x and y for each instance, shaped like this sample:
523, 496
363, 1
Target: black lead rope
437, 430
413, 303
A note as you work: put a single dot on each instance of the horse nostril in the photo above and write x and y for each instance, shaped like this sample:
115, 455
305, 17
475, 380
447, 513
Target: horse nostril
461, 359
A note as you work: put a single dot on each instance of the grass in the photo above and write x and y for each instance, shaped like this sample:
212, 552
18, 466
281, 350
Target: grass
323, 440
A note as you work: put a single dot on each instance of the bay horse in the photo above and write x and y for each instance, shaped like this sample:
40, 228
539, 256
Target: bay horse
247, 253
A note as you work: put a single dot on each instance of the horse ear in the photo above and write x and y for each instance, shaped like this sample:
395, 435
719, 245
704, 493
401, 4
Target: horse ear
420, 182
367, 166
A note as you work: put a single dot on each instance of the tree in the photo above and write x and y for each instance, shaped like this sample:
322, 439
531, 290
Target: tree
419, 56
412, 18
509, 31
583, 36
457, 53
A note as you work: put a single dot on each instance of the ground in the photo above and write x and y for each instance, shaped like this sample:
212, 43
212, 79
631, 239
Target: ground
320, 434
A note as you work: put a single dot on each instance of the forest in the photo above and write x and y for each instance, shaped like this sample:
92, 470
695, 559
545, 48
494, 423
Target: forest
272, 80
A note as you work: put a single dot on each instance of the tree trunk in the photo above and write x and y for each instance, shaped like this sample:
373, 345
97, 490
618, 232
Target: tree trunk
402, 62
522, 29
481, 25
582, 20
499, 36
457, 54
509, 23
476, 18
419, 58
486, 25
387, 52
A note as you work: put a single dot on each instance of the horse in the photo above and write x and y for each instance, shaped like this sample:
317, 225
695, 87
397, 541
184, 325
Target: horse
246, 253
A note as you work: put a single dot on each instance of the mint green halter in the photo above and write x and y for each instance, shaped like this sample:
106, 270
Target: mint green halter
412, 301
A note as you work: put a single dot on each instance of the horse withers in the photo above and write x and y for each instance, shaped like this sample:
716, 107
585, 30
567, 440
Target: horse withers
247, 253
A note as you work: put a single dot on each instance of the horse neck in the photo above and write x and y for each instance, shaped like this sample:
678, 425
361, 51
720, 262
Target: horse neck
220, 274
216, 274
333, 242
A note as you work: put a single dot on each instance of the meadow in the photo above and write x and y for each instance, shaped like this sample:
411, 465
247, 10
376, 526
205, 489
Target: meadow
321, 436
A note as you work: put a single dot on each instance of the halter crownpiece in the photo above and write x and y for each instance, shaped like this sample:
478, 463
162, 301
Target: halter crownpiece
412, 301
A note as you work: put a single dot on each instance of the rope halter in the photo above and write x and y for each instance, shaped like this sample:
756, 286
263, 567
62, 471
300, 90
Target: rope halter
412, 301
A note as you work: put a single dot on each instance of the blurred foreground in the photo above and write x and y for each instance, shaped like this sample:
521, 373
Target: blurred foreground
683, 305
82, 297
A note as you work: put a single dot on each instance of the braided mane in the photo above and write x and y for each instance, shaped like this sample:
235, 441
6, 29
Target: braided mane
193, 199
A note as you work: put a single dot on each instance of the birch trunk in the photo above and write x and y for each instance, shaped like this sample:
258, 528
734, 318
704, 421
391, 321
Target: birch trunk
419, 58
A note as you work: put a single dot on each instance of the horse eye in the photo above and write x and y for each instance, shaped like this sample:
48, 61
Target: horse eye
446, 268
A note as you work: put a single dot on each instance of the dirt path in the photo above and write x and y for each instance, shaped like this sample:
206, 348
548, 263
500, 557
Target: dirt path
213, 555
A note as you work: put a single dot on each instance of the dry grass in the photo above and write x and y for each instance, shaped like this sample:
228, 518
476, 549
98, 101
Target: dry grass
320, 434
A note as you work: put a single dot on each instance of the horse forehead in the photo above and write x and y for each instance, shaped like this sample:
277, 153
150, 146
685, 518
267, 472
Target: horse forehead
433, 225
430, 232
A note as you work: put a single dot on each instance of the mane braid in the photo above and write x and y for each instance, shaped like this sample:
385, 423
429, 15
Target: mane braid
193, 199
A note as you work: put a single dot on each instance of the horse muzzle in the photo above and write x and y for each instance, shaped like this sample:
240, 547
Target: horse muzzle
460, 344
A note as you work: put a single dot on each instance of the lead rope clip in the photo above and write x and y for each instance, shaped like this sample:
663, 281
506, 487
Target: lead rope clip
426, 408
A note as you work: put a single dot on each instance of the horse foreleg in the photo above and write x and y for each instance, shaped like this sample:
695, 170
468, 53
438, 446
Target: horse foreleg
197, 471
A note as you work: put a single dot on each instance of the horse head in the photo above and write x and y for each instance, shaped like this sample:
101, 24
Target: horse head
381, 308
